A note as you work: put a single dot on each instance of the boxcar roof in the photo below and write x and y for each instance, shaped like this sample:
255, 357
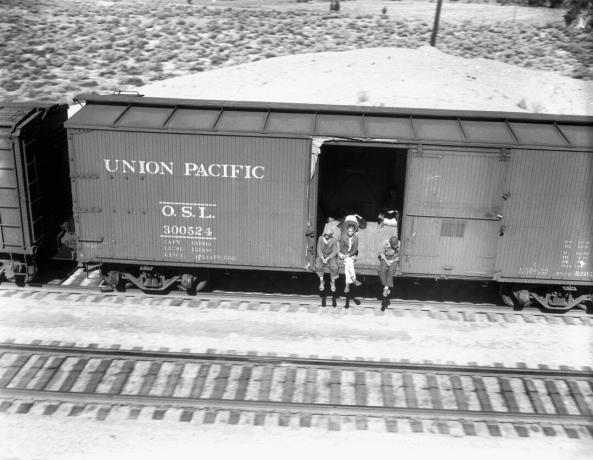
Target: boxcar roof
429, 126
13, 113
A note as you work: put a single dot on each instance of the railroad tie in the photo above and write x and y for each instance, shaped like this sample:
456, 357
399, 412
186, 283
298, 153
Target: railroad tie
265, 384
150, 378
578, 397
173, 379
556, 397
243, 383
73, 375
31, 372
199, 381
13, 369
533, 395
48, 372
508, 395
289, 386
435, 394
482, 394
458, 392
335, 387
387, 389
97, 375
360, 388
221, 382
122, 377
410, 391
310, 393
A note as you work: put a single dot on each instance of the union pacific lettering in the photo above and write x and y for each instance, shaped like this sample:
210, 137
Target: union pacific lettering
222, 170
226, 171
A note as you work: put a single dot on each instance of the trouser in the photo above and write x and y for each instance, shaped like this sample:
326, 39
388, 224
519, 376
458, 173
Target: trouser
386, 273
332, 264
349, 270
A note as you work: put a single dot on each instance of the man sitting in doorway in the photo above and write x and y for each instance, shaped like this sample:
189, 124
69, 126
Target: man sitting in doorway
348, 246
327, 252
388, 260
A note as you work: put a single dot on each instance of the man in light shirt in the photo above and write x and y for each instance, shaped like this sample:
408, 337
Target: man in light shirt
348, 246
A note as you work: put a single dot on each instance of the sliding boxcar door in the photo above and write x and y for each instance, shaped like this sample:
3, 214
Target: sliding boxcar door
453, 205
548, 217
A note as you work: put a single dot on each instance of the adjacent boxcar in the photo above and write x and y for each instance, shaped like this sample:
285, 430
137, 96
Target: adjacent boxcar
34, 185
166, 187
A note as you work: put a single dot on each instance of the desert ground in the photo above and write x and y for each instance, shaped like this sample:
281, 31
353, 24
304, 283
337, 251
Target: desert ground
52, 50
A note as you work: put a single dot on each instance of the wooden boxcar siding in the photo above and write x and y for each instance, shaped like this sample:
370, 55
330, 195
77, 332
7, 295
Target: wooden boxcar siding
453, 197
121, 216
548, 217
11, 229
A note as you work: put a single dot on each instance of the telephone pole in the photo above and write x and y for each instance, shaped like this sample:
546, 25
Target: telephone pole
435, 28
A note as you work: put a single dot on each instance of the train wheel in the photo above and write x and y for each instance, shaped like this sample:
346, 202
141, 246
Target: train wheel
507, 297
114, 278
20, 273
201, 285
31, 273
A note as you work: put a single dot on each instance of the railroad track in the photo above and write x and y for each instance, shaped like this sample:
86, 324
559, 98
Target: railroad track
553, 401
283, 303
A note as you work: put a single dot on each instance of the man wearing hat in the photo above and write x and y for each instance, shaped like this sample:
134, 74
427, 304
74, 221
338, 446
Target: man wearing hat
389, 258
327, 251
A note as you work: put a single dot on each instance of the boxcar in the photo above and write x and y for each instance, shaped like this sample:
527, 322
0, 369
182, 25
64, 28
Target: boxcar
34, 185
166, 188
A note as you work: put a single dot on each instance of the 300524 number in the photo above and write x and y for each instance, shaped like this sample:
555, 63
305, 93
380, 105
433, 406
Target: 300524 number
184, 230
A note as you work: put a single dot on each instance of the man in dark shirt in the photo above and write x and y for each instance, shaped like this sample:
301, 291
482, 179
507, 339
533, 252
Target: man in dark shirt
327, 251
388, 260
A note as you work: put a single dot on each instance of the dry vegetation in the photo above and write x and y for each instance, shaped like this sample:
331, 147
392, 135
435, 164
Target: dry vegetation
56, 49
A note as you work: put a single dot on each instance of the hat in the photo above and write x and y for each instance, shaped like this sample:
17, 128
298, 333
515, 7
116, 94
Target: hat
328, 231
393, 240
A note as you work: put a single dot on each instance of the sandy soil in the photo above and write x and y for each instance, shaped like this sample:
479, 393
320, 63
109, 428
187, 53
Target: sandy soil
397, 77
90, 440
331, 332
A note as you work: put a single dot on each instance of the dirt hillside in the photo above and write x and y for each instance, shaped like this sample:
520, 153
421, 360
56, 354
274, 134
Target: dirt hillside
398, 77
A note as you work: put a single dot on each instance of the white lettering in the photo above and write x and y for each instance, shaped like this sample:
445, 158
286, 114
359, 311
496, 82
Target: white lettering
202, 213
186, 211
128, 165
210, 170
255, 173
168, 211
166, 167
235, 170
189, 168
201, 171
107, 163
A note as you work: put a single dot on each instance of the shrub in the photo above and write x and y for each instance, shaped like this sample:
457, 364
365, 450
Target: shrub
132, 81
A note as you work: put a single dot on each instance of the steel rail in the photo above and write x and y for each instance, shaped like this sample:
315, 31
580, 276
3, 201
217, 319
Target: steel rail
309, 408
346, 364
305, 300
